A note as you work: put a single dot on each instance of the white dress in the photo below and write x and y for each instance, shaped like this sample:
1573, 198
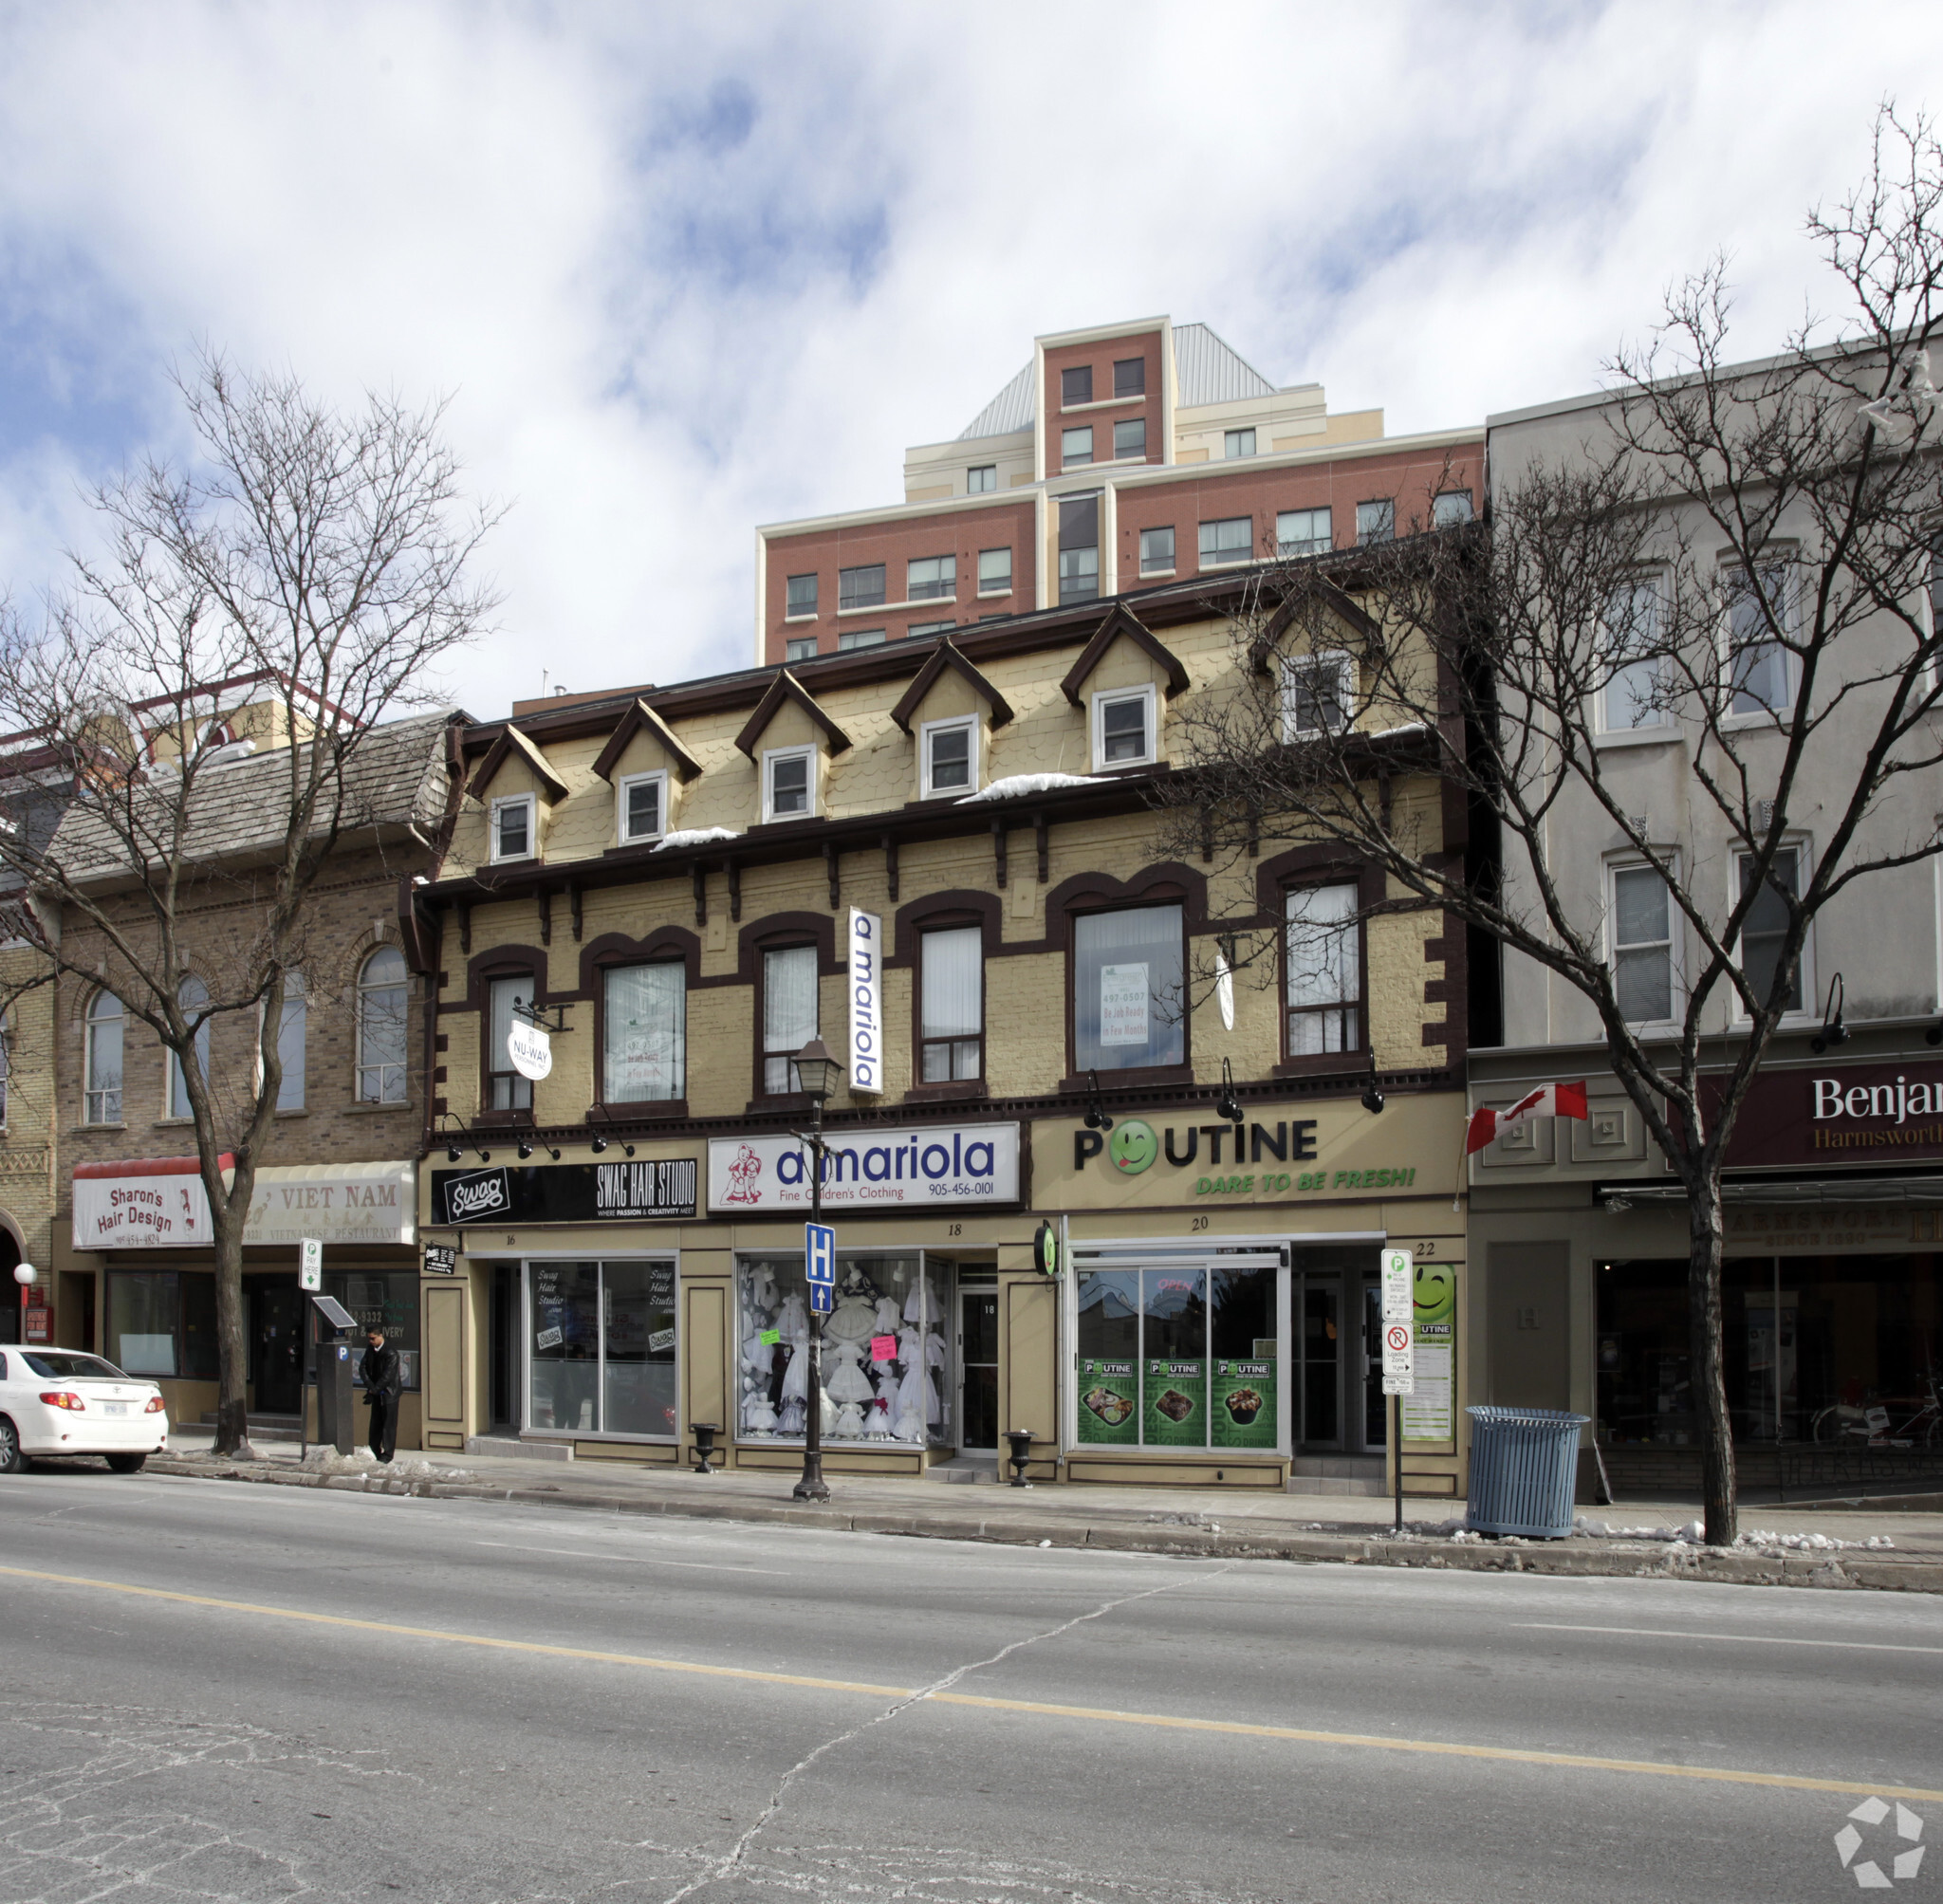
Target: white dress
847, 1382
888, 1316
796, 1377
793, 1417
854, 1321
848, 1425
758, 1413
920, 1298
909, 1426
793, 1319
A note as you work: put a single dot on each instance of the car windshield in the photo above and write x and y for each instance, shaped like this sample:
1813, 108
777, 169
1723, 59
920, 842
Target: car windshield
72, 1368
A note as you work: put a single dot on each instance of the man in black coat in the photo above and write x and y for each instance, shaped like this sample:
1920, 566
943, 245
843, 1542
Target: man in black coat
381, 1371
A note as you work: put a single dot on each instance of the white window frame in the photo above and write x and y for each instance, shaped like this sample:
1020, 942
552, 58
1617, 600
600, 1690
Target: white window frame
974, 764
1666, 867
1160, 528
1809, 1009
88, 1094
620, 792
1121, 455
1232, 441
939, 590
172, 1079
1661, 726
1101, 702
1290, 548
1231, 560
302, 1000
530, 802
974, 486
1345, 676
771, 756
1066, 459
1733, 575
992, 588
790, 614
363, 1064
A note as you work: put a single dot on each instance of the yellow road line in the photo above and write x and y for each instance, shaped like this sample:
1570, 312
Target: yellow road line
1233, 1728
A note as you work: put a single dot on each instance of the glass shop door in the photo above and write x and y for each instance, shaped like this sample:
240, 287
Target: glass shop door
978, 1367
1376, 1404
1322, 1362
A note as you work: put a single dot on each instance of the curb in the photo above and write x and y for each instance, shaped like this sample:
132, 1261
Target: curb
1616, 1560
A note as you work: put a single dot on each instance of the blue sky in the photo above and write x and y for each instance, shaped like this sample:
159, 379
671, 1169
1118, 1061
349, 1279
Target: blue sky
687, 270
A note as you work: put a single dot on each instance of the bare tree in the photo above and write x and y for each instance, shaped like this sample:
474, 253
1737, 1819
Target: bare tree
317, 562
1744, 550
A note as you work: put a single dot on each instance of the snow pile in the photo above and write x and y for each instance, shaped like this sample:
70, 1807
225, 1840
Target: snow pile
1407, 728
1814, 1544
327, 1460
1692, 1533
696, 836
1017, 785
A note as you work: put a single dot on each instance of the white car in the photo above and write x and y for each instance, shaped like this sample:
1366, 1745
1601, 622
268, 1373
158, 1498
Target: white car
57, 1401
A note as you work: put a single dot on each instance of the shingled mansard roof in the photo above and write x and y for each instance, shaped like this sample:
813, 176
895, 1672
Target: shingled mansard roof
395, 775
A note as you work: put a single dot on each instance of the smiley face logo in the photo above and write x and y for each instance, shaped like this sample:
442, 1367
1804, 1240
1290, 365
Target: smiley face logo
1132, 1146
1434, 1298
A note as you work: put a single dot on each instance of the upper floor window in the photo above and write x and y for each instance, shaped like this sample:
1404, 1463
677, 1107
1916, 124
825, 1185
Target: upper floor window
789, 783
1642, 943
1237, 442
192, 995
642, 801
802, 596
1156, 551
1130, 436
1232, 539
860, 587
994, 571
506, 1089
790, 1014
291, 1042
1324, 954
1451, 508
931, 628
1764, 933
381, 1021
1760, 614
800, 648
1377, 521
981, 480
1075, 447
5, 1033
951, 1011
1076, 385
931, 578
1634, 691
1302, 533
101, 1095
512, 826
1079, 549
1123, 727
1128, 997
860, 637
1130, 376
1318, 695
951, 755
644, 1033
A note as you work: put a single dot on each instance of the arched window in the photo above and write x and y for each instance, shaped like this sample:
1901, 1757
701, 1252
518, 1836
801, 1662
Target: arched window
291, 1042
5, 1033
103, 1090
381, 1028
191, 994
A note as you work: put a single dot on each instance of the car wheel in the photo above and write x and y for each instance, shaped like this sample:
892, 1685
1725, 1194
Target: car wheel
12, 1460
126, 1464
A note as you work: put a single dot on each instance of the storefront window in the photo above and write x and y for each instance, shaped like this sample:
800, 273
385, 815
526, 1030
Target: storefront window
601, 1339
382, 1300
1178, 1356
886, 1359
162, 1322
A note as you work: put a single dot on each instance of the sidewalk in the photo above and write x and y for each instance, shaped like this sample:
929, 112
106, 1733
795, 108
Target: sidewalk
1216, 1523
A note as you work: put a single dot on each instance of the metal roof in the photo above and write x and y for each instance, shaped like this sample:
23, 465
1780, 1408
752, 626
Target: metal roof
1011, 409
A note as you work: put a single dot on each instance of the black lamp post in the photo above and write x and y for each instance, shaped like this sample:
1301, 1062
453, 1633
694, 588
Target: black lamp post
816, 1076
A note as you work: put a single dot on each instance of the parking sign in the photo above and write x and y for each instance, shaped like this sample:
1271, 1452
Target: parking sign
310, 1264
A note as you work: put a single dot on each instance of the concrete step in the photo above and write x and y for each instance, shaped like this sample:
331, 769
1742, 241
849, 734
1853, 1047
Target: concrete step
964, 1469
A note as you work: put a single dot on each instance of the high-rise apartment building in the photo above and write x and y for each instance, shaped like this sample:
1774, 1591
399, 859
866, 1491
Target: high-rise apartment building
1127, 456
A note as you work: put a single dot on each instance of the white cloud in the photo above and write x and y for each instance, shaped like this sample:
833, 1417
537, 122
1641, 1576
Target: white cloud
662, 332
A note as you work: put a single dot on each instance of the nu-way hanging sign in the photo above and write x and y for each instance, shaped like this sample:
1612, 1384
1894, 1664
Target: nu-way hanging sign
866, 974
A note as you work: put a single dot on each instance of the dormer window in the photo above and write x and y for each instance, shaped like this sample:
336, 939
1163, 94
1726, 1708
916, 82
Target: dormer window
789, 783
514, 819
1123, 727
643, 802
951, 755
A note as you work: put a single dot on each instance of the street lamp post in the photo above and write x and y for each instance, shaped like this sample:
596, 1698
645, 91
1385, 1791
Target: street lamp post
24, 1275
816, 1073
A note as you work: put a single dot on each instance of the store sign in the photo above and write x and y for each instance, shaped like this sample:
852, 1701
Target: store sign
636, 1189
159, 1202
37, 1323
1399, 1365
1832, 1115
866, 1002
932, 1165
441, 1259
1429, 1411
529, 1049
153, 1203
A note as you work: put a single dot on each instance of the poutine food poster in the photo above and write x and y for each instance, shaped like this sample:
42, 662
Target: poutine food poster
1241, 1404
1174, 1402
1109, 1402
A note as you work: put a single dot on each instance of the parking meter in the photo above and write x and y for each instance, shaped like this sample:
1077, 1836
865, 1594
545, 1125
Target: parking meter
336, 1421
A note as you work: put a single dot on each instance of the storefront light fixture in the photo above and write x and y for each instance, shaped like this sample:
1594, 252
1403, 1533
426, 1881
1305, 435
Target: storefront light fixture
1372, 1097
1228, 1106
458, 1141
1097, 1118
527, 1150
816, 1070
598, 1143
1833, 1030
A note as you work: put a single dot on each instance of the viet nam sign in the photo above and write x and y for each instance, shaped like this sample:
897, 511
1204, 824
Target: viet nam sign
159, 1202
934, 1164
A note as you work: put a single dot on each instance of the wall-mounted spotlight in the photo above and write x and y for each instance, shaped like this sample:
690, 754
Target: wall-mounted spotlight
459, 1141
598, 1143
1833, 1030
1372, 1097
527, 1150
1228, 1106
1097, 1118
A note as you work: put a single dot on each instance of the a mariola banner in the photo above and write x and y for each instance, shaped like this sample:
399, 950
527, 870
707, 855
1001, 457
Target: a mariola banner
871, 1169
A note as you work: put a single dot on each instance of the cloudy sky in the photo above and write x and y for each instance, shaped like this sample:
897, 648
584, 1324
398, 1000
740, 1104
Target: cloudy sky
685, 270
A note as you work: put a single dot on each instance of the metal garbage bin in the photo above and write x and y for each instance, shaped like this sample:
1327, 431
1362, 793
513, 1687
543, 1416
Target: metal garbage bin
1523, 1470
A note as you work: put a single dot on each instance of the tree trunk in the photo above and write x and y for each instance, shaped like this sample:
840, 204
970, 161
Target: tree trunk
233, 1348
1705, 1240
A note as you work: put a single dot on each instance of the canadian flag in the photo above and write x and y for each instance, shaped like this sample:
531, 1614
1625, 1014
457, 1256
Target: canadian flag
1549, 1101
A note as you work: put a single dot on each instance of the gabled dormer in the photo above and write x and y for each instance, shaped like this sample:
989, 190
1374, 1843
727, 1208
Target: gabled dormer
792, 742
1121, 682
1310, 644
951, 712
647, 767
519, 789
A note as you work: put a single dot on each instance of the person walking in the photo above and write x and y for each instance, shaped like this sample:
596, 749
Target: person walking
381, 1371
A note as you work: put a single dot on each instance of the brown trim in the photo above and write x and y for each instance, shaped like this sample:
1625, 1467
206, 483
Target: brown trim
777, 933
1360, 622
1326, 863
615, 951
945, 911
507, 962
1166, 884
1120, 620
640, 718
512, 741
785, 687
946, 656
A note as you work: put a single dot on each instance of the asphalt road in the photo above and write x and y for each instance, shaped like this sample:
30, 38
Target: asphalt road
870, 1717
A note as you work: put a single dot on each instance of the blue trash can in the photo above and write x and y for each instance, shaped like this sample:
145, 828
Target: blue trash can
1523, 1470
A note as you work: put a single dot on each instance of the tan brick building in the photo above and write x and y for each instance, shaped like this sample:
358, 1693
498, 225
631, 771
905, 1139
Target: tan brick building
942, 857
